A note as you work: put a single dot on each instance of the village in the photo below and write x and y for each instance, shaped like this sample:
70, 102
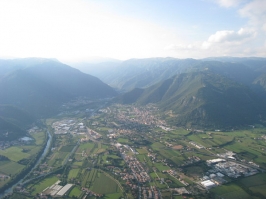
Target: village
138, 153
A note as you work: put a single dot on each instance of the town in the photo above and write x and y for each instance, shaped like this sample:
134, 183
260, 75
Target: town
125, 151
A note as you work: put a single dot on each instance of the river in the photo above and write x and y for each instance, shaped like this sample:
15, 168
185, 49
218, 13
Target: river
48, 143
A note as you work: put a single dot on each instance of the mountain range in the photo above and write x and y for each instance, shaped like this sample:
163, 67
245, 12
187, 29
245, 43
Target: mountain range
40, 86
218, 92
34, 88
201, 99
142, 73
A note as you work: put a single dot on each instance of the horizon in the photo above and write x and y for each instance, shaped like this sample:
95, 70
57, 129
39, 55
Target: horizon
97, 60
73, 31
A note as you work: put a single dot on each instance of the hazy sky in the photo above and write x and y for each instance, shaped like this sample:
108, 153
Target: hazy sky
72, 30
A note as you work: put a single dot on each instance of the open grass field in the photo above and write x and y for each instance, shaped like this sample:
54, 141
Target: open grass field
178, 160
157, 146
169, 153
57, 159
40, 186
73, 173
10, 168
88, 177
67, 148
104, 185
176, 182
123, 140
78, 163
39, 137
230, 191
87, 147
259, 189
161, 167
14, 153
204, 142
259, 179
194, 171
222, 139
142, 151
112, 196
256, 183
92, 175
75, 192
31, 149
98, 151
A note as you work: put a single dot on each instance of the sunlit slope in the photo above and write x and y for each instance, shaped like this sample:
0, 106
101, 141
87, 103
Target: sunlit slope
202, 99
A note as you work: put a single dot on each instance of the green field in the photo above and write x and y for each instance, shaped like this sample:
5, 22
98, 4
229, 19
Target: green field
39, 137
75, 192
123, 140
67, 148
256, 184
32, 150
57, 159
112, 196
40, 186
230, 191
73, 173
161, 167
142, 151
104, 185
10, 168
14, 153
157, 146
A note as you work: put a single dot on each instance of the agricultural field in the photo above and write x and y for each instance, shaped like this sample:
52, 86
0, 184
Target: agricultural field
14, 153
104, 184
145, 157
73, 173
10, 167
255, 184
19, 156
230, 191
39, 186
75, 192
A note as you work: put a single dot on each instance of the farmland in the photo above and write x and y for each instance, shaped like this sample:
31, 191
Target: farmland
20, 156
117, 155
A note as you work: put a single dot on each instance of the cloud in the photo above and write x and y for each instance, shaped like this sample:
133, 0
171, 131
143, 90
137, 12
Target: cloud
228, 3
255, 11
229, 37
222, 43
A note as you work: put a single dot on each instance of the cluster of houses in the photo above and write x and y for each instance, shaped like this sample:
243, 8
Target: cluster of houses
90, 193
150, 192
139, 115
137, 169
199, 146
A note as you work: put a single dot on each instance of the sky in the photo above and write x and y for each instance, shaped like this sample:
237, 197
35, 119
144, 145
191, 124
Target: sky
76, 30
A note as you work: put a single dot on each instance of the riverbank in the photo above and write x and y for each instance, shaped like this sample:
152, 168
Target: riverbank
8, 188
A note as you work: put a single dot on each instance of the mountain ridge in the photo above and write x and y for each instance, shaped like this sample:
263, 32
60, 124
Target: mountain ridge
202, 99
41, 86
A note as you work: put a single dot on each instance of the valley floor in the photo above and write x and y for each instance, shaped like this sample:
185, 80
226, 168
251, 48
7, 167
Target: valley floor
124, 151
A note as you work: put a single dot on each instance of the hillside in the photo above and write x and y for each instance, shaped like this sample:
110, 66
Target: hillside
16, 116
202, 99
42, 85
142, 73
14, 122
